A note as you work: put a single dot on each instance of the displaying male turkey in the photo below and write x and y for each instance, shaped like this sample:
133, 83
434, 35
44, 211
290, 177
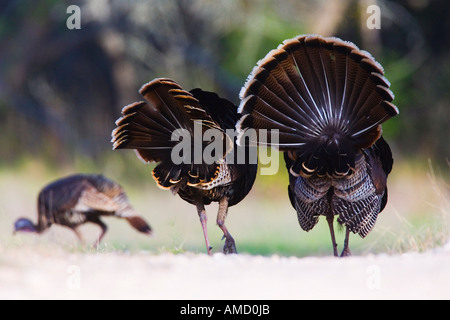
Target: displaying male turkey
80, 198
186, 132
325, 100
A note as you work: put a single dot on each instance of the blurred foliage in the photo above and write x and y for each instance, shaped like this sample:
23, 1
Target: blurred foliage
61, 90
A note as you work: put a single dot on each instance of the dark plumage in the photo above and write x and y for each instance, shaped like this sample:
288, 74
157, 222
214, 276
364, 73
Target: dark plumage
81, 198
326, 99
153, 128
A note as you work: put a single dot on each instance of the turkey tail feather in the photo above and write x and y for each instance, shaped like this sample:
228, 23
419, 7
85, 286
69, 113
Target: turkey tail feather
139, 224
150, 127
326, 98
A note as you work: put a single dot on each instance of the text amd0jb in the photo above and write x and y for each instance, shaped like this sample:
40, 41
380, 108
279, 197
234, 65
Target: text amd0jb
241, 309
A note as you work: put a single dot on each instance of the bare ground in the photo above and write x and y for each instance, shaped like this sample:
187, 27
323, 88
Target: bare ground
40, 273
44, 268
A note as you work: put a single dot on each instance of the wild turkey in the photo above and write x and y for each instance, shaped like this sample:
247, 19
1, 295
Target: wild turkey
154, 128
81, 198
326, 100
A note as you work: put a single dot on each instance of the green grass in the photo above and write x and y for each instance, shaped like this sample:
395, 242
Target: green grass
416, 218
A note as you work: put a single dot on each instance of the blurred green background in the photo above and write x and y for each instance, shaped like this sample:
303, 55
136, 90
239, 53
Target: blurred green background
61, 91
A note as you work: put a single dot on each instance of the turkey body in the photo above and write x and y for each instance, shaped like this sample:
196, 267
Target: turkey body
323, 101
170, 116
77, 199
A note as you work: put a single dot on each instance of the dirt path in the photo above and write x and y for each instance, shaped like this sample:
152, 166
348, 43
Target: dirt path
40, 273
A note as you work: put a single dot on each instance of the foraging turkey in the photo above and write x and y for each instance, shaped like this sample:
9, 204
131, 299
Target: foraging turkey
81, 198
171, 117
325, 100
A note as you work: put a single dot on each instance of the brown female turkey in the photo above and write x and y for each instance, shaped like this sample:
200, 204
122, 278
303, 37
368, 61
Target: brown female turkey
325, 101
77, 199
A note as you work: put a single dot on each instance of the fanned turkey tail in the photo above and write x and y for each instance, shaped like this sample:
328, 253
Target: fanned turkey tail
324, 97
155, 126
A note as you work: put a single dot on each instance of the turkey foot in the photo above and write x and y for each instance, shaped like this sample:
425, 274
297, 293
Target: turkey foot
229, 246
346, 251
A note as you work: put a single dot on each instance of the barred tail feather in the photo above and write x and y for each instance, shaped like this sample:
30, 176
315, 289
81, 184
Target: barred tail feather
148, 127
326, 97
